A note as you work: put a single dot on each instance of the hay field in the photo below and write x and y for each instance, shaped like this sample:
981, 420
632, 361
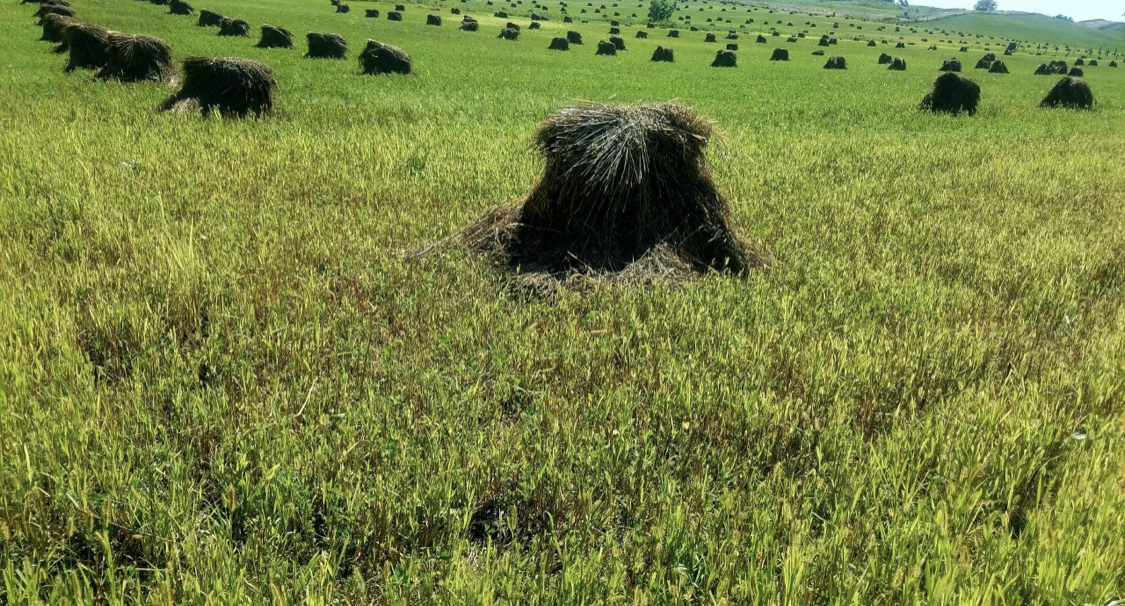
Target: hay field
227, 378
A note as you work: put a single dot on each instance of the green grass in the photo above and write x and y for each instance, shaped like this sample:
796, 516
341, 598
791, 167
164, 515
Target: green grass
224, 379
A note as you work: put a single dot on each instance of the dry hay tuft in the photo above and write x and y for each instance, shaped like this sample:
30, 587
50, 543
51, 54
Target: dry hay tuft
138, 58
234, 28
275, 37
88, 45
625, 196
53, 26
725, 58
54, 9
1069, 92
1051, 69
326, 46
232, 86
836, 63
951, 65
179, 7
378, 58
663, 54
209, 19
952, 94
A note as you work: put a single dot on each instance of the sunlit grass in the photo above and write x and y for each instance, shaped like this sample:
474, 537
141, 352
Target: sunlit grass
224, 379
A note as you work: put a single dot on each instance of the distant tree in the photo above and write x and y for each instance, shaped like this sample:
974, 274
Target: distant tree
661, 10
985, 6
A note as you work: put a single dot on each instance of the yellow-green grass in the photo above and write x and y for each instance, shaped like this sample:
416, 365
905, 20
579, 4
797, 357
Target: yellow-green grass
225, 378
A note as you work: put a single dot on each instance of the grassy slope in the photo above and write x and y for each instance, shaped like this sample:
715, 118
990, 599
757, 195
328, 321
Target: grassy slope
222, 381
1035, 29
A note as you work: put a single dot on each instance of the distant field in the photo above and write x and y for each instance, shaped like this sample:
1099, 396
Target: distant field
226, 379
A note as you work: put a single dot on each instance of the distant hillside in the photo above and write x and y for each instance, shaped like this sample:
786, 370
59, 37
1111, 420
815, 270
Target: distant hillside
1103, 25
1035, 28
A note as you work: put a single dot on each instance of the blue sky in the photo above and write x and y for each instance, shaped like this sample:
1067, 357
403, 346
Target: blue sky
1080, 10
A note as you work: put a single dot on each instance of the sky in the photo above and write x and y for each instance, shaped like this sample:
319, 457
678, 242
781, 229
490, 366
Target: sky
1080, 10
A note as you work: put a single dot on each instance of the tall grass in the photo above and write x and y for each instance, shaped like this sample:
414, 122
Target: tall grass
224, 379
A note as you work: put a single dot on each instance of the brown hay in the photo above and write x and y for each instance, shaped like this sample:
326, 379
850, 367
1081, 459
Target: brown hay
54, 9
663, 54
952, 94
836, 63
179, 7
234, 28
1069, 92
560, 44
232, 86
275, 37
725, 58
606, 48
88, 45
137, 58
326, 46
53, 26
378, 58
209, 19
951, 65
625, 196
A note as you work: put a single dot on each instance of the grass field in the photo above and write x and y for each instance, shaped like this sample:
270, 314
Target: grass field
226, 379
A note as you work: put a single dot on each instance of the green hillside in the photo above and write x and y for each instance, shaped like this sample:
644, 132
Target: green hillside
1033, 28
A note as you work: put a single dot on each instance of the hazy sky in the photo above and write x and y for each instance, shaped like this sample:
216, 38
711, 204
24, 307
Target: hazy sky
1080, 10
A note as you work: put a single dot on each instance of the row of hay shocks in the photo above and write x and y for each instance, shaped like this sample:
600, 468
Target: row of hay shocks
376, 58
431, 19
232, 86
610, 46
128, 57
